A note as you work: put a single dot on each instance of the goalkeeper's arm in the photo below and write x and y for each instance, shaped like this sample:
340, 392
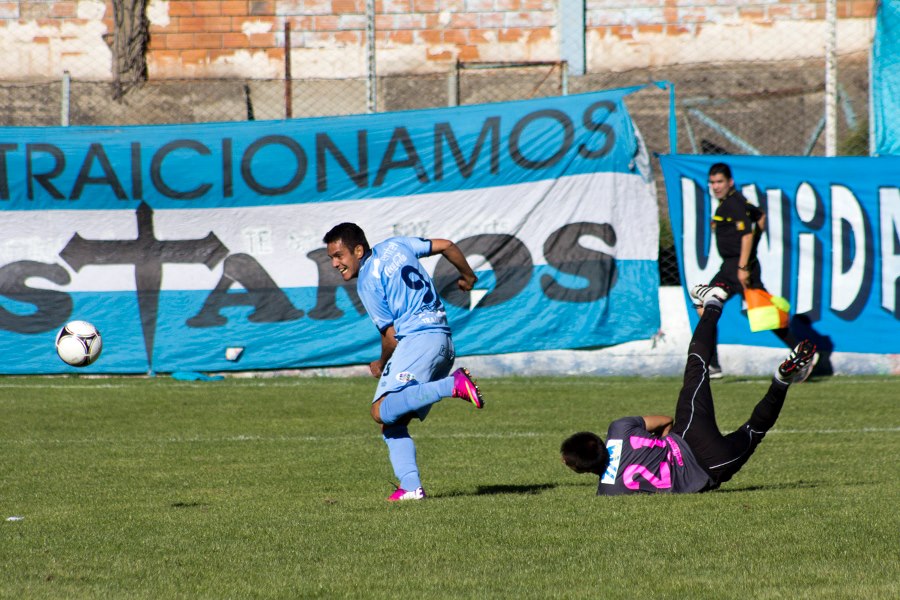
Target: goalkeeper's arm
658, 424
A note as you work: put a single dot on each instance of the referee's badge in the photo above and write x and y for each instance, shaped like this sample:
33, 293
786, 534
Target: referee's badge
740, 226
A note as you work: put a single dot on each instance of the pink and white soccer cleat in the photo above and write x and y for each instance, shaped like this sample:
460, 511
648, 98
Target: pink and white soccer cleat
401, 494
464, 387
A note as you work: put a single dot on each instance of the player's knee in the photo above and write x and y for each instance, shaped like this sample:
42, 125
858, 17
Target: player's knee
375, 411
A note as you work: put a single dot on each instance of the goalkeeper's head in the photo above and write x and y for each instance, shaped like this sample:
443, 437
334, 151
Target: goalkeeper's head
585, 452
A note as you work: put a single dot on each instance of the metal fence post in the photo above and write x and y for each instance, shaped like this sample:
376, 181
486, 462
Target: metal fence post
453, 84
66, 98
572, 34
288, 77
831, 78
371, 81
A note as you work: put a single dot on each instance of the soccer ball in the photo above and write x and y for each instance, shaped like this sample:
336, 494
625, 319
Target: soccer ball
78, 343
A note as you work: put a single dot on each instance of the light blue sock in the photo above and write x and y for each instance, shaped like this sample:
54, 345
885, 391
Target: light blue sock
402, 452
413, 397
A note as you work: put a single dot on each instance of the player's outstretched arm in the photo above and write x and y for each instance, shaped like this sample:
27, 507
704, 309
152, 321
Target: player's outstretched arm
452, 253
658, 424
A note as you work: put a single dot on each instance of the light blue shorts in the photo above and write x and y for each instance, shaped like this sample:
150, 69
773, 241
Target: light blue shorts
417, 358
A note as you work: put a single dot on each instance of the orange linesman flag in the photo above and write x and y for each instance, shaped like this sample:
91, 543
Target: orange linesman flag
765, 311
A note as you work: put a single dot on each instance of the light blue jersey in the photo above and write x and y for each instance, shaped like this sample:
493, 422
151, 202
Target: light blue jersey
396, 290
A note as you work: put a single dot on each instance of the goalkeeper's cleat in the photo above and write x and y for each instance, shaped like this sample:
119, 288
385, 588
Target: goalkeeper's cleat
464, 387
701, 294
715, 372
401, 494
799, 363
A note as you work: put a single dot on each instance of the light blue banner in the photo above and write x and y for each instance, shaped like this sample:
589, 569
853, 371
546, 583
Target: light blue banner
886, 79
180, 242
831, 246
220, 165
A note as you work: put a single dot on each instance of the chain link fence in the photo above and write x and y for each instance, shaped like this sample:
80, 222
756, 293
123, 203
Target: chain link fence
750, 78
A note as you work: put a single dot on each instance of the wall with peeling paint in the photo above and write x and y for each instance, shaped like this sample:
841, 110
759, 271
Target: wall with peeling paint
245, 39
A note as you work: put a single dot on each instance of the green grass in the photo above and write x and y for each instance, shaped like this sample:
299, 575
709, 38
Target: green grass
275, 488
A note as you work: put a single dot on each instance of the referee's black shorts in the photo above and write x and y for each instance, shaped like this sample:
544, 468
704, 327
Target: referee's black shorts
728, 275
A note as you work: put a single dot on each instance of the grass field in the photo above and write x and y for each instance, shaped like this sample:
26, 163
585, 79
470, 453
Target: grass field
275, 488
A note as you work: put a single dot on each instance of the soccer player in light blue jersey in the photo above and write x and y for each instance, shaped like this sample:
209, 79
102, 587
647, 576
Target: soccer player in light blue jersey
416, 347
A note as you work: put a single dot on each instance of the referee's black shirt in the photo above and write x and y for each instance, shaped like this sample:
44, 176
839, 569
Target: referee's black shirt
733, 220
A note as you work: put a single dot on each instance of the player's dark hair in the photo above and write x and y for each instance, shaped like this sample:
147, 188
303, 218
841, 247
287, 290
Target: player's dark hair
721, 169
350, 233
584, 452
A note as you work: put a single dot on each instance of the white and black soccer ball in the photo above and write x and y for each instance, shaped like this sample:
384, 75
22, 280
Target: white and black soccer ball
79, 343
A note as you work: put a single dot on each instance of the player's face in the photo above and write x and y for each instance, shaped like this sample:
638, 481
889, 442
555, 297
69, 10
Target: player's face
344, 259
719, 185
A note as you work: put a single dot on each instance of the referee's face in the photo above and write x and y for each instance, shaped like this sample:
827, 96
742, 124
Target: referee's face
720, 185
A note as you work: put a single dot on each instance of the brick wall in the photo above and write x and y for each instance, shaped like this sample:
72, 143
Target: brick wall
239, 38
650, 33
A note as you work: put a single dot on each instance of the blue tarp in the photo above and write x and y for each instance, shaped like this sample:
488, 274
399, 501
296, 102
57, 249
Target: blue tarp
886, 79
831, 246
181, 241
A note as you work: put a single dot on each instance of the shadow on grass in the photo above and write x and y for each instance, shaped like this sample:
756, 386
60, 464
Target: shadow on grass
189, 505
489, 490
494, 490
733, 379
799, 485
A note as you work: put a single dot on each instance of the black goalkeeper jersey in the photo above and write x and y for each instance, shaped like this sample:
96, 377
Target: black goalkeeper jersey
642, 463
